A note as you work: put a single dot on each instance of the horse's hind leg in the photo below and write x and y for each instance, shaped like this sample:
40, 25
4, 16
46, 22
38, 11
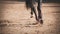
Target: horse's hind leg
31, 13
34, 11
39, 11
39, 15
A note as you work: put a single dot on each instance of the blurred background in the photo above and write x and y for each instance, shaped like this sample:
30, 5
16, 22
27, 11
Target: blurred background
15, 18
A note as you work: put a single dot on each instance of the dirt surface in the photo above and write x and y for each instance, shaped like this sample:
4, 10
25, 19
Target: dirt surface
15, 19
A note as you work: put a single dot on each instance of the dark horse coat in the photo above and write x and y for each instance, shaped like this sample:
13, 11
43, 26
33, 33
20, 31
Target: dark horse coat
30, 4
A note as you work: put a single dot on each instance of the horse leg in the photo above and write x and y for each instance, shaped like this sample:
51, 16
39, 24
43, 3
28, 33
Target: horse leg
40, 15
31, 13
34, 11
39, 12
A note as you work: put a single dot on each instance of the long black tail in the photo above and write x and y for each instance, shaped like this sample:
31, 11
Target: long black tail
28, 3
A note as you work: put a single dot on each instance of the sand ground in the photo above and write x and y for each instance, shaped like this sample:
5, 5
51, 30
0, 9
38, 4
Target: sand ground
20, 22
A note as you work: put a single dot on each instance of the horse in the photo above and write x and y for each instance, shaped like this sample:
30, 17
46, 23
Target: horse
30, 4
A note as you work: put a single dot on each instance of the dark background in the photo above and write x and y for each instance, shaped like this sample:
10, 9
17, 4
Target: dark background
44, 1
47, 1
51, 1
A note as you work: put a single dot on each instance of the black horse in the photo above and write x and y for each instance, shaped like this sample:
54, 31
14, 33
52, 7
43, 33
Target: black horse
30, 4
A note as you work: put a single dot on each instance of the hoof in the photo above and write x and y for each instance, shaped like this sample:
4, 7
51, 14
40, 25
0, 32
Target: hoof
41, 21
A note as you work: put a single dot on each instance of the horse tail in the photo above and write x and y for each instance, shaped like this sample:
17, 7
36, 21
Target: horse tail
28, 3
